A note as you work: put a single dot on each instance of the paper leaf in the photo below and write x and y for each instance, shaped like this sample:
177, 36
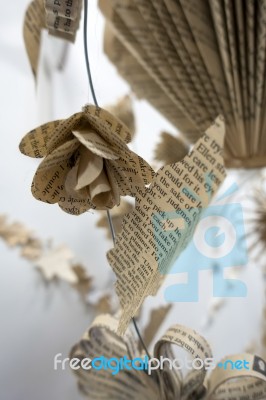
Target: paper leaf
34, 21
32, 250
123, 110
34, 144
164, 220
56, 263
170, 149
84, 282
104, 306
14, 234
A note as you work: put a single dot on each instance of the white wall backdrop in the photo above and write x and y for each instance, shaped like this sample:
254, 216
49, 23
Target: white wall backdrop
38, 321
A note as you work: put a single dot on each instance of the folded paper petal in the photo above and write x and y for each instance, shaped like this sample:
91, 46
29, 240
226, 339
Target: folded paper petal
96, 144
48, 184
34, 143
73, 205
131, 173
101, 192
90, 167
72, 180
61, 153
103, 121
63, 131
113, 182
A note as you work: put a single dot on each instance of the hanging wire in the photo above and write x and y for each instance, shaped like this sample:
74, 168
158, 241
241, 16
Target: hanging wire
86, 54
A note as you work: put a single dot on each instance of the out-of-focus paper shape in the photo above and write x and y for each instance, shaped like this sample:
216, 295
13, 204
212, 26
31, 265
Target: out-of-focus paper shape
104, 306
14, 234
142, 84
87, 163
101, 340
256, 234
170, 149
84, 282
104, 300
263, 330
51, 262
34, 22
63, 17
56, 263
156, 318
257, 231
164, 220
123, 110
257, 221
32, 249
216, 304
36, 19
117, 215
193, 60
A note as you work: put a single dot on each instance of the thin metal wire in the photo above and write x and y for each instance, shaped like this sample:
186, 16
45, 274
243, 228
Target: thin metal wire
140, 338
86, 53
112, 229
87, 61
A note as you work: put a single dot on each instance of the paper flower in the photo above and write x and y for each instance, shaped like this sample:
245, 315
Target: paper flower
87, 163
111, 367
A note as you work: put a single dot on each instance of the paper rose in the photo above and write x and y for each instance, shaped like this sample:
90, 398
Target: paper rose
87, 163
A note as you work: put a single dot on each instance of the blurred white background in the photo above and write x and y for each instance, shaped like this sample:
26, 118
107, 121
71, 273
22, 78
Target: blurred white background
39, 321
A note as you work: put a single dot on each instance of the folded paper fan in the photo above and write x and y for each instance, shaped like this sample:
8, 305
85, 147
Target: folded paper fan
194, 59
